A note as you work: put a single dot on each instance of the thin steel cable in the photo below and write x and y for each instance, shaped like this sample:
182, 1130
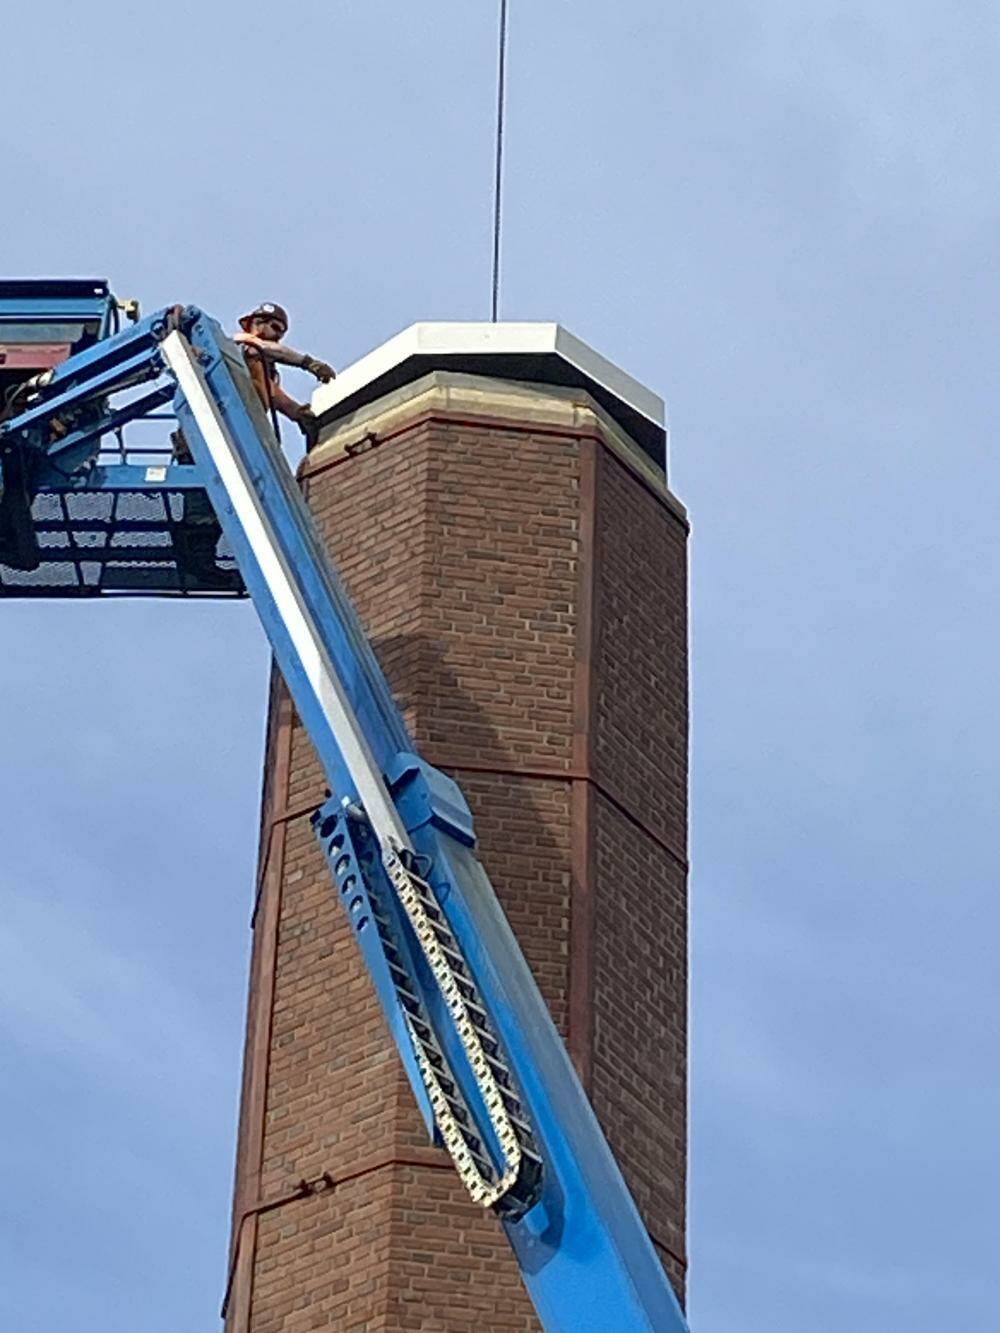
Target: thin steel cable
498, 179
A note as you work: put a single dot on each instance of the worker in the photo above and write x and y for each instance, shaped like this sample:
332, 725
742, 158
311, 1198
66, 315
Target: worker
260, 341
262, 330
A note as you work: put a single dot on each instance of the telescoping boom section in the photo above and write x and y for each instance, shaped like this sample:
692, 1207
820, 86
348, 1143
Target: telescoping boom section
487, 1067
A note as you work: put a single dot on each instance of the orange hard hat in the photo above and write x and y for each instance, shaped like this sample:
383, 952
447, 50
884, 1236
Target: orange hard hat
266, 310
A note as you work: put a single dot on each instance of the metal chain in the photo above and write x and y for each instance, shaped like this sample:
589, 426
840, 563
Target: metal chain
482, 1191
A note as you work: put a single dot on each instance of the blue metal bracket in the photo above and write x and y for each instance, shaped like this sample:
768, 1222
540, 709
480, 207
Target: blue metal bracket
426, 796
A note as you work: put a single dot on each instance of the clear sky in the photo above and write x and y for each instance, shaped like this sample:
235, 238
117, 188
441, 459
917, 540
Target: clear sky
784, 218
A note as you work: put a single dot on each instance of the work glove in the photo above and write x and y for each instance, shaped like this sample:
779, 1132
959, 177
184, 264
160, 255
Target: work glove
320, 369
308, 425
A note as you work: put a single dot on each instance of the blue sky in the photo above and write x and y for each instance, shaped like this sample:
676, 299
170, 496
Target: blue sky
785, 219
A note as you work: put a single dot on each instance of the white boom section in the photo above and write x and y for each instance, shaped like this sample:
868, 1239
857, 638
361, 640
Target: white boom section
283, 588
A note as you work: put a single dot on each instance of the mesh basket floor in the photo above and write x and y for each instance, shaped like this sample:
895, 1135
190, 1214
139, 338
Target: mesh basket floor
118, 542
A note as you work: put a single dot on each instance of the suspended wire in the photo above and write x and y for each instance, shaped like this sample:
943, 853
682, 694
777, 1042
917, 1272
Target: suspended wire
498, 179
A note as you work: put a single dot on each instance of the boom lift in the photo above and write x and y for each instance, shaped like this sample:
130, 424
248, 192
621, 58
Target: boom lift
487, 1067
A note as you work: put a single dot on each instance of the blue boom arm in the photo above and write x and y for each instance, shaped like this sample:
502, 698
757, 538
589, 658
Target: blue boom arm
487, 1067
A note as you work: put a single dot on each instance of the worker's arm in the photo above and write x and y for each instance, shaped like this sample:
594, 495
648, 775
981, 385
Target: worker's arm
271, 394
287, 405
286, 356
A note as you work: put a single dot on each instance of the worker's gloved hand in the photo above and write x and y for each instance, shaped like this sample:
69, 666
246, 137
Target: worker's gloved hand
320, 369
308, 425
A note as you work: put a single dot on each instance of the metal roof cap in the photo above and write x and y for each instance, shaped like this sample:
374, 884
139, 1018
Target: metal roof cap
541, 353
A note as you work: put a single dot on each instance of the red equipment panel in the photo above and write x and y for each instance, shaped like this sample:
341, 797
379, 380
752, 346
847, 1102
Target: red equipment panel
33, 356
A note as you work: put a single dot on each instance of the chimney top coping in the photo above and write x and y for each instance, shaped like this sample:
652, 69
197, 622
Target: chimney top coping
538, 352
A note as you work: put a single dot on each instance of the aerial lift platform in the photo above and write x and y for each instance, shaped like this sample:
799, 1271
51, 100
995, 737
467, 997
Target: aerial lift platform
84, 514
108, 514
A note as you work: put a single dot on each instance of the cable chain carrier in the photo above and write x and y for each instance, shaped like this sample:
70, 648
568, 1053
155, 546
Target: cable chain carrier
378, 888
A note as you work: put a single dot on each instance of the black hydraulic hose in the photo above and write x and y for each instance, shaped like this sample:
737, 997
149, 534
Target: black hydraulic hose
270, 398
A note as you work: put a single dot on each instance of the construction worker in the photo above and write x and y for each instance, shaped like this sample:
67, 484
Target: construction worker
260, 340
262, 330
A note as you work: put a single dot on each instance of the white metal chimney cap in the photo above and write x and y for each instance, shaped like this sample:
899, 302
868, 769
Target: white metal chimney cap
534, 352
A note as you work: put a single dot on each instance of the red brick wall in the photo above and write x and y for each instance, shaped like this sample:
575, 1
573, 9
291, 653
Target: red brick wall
525, 593
640, 826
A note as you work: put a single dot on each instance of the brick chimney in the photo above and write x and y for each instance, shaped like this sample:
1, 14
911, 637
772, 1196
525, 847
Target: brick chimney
495, 499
